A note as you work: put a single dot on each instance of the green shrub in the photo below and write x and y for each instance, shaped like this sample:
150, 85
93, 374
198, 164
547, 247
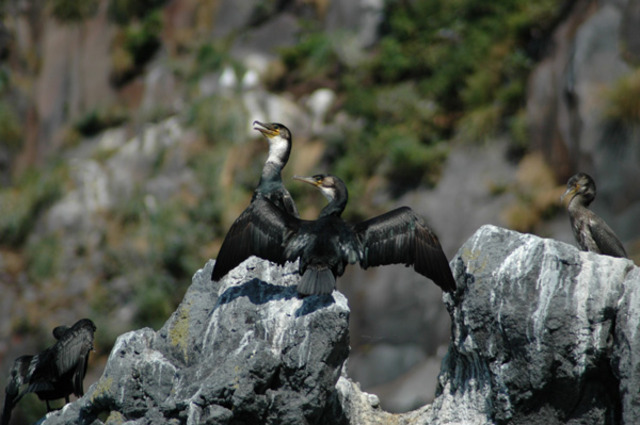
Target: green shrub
10, 126
125, 11
135, 45
623, 100
21, 204
220, 119
96, 121
69, 11
43, 257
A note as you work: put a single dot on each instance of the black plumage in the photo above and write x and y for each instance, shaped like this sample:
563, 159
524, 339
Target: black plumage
270, 190
326, 245
591, 232
54, 373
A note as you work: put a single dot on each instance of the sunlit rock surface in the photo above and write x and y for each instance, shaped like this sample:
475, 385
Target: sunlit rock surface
247, 350
541, 334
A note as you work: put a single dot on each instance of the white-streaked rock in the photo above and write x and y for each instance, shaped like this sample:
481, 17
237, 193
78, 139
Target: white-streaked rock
541, 334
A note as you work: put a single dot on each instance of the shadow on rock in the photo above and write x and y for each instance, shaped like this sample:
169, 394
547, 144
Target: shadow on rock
260, 292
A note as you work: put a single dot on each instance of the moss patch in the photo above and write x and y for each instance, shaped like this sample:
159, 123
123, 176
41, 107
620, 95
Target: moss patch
179, 330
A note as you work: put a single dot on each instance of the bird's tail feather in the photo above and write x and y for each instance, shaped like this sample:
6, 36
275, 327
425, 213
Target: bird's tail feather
317, 281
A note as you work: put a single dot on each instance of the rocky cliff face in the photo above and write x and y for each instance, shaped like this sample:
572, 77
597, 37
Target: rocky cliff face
541, 334
569, 110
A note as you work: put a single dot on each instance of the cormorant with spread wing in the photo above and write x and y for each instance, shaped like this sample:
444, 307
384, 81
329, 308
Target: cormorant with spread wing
56, 372
591, 231
270, 190
326, 245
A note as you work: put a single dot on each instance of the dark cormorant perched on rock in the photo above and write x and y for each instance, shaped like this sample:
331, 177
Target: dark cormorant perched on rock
56, 372
591, 231
270, 190
326, 245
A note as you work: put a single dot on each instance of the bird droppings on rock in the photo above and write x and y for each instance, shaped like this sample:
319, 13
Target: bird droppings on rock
541, 334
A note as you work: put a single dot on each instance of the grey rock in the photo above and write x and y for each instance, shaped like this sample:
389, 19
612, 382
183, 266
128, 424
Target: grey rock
362, 17
541, 334
629, 34
244, 350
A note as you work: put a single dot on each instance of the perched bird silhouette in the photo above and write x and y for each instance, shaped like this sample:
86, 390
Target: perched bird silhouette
54, 373
326, 245
270, 190
591, 231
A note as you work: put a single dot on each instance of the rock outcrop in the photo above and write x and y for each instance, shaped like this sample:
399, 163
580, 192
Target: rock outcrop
541, 334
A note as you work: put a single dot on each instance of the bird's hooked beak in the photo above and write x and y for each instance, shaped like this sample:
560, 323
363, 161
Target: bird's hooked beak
570, 191
311, 180
267, 129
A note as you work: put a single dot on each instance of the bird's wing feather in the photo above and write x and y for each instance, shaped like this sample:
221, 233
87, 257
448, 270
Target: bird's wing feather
79, 373
289, 204
42, 367
61, 358
607, 241
401, 236
18, 377
260, 230
72, 349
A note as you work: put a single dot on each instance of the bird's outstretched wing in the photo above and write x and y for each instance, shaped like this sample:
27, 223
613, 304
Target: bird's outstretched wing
401, 236
260, 230
289, 205
607, 241
18, 377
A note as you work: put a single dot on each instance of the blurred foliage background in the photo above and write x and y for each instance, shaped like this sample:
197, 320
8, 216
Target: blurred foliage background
436, 74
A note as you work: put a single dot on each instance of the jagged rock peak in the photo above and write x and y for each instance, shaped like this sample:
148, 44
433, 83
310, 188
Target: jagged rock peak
244, 350
542, 334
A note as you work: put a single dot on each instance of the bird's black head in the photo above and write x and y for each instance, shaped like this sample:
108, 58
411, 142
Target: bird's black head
581, 186
332, 187
58, 331
279, 138
273, 129
86, 324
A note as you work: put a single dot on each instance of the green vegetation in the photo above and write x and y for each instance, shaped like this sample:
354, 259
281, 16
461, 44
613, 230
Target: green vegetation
219, 119
22, 204
124, 12
138, 38
623, 100
43, 256
536, 194
96, 121
442, 70
10, 126
69, 11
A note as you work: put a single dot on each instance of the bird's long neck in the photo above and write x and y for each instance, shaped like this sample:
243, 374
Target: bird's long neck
336, 205
279, 150
271, 173
579, 202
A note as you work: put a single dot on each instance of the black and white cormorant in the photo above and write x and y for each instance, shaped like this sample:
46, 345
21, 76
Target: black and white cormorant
54, 373
270, 191
326, 245
591, 231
